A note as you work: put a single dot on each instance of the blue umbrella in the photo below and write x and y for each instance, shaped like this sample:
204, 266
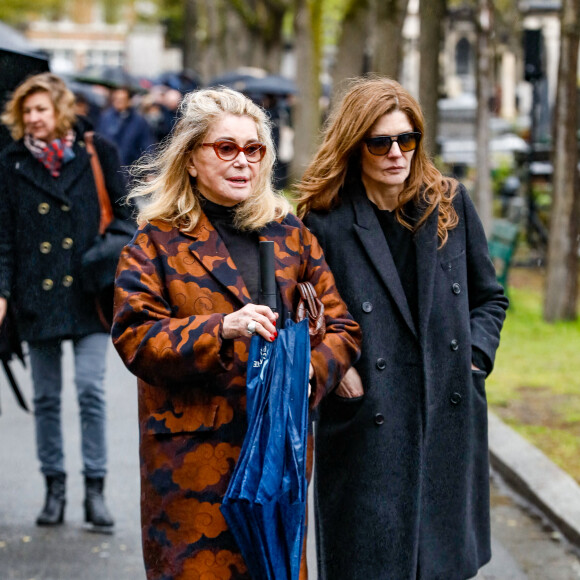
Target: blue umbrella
265, 504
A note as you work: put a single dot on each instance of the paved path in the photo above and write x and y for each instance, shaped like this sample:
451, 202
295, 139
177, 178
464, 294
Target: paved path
523, 548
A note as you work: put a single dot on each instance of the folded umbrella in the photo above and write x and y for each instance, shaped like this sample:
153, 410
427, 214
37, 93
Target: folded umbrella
265, 504
10, 346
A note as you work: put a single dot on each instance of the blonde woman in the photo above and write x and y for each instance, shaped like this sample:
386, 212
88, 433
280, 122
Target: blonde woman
49, 216
187, 304
402, 486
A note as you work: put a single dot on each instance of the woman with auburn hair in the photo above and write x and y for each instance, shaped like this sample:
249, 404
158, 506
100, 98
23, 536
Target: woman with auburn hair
49, 217
402, 477
186, 305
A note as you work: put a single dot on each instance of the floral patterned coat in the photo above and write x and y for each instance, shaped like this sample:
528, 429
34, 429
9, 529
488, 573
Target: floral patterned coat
172, 291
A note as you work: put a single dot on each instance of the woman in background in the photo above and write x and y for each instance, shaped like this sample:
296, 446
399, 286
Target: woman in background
49, 216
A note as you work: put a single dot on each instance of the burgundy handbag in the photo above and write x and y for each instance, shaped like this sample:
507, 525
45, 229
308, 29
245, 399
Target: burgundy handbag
310, 306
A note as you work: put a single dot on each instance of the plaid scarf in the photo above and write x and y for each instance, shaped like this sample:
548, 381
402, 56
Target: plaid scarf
52, 155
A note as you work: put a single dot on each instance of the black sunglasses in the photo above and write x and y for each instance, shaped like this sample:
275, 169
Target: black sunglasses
228, 150
382, 145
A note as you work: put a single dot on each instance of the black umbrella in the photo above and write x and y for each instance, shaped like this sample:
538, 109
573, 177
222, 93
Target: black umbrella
113, 77
15, 67
183, 81
10, 346
236, 79
270, 85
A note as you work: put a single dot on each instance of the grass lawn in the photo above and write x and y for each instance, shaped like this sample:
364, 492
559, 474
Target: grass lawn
535, 386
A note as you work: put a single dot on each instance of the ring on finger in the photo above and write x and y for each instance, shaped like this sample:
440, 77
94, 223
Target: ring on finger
252, 327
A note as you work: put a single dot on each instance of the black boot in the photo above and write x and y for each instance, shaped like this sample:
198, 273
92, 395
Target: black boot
52, 513
97, 516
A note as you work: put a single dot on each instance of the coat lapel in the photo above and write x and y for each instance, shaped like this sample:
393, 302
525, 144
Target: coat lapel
371, 236
426, 242
33, 171
210, 250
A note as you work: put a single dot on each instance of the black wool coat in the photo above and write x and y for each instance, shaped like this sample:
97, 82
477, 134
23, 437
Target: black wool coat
402, 477
46, 224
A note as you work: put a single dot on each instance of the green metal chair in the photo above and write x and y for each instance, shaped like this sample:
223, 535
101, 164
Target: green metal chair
502, 245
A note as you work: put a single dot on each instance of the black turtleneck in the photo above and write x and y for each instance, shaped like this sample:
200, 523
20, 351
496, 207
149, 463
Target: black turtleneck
242, 245
402, 246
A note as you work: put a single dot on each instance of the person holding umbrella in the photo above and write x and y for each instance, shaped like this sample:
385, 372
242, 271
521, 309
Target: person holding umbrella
50, 216
186, 306
402, 475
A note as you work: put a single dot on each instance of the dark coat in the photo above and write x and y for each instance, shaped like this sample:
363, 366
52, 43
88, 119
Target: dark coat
402, 478
130, 132
46, 224
173, 290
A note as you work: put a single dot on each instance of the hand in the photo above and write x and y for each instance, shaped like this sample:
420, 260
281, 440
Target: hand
474, 368
351, 385
310, 375
3, 308
236, 323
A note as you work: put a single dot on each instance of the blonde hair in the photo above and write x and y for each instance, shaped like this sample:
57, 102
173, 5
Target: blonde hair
368, 99
164, 178
61, 96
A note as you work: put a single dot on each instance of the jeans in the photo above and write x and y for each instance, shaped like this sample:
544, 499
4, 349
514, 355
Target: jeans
89, 360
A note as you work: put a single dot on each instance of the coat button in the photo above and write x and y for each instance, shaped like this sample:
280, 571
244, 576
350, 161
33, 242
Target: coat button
67, 243
43, 208
455, 398
45, 247
454, 344
64, 207
47, 284
367, 307
67, 281
456, 288
381, 364
379, 419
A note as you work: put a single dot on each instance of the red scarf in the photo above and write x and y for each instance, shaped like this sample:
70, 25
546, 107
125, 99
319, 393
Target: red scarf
54, 154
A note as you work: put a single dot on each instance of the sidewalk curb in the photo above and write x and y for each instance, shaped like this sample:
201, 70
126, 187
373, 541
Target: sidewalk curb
535, 477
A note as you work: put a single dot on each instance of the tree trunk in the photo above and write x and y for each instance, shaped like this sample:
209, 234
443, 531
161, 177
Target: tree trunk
388, 37
307, 35
209, 61
190, 47
560, 302
352, 46
263, 20
483, 190
238, 52
431, 14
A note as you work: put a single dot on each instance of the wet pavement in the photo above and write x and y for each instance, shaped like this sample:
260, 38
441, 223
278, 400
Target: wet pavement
524, 547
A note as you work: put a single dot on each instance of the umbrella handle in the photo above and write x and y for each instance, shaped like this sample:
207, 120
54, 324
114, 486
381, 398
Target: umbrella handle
267, 275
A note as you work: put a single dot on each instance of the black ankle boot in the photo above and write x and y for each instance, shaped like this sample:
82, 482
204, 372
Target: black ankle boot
97, 516
52, 513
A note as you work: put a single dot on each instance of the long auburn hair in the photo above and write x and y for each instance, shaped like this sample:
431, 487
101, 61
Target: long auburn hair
368, 99
163, 182
62, 99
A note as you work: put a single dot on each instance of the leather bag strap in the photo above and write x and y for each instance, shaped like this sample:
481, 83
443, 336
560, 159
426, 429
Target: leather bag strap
308, 294
104, 199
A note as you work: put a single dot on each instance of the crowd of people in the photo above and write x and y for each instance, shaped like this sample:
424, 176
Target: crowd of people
137, 120
395, 253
